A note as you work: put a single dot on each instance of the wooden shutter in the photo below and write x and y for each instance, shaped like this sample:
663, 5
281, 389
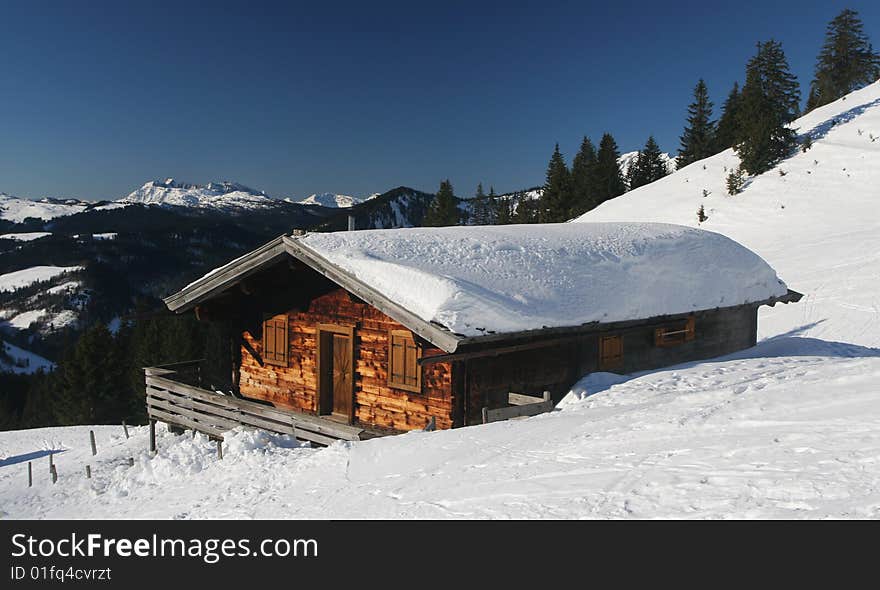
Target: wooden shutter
275, 341
610, 352
404, 371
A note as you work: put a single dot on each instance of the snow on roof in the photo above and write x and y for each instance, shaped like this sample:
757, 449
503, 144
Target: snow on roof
479, 280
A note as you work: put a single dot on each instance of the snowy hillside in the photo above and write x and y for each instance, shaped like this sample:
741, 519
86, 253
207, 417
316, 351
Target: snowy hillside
17, 209
17, 360
214, 195
815, 218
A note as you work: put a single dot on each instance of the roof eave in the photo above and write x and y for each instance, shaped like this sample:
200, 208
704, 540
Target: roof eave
231, 273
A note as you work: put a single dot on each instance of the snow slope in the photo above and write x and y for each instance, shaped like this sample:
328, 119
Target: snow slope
22, 361
815, 218
477, 280
22, 278
26, 236
790, 429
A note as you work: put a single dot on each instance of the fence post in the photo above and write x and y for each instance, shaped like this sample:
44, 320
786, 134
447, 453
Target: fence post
131, 461
485, 415
51, 462
54, 473
125, 428
219, 449
30, 475
92, 440
88, 472
152, 436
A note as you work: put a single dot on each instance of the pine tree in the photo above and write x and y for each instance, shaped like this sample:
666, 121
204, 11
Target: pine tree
769, 102
527, 209
583, 179
481, 208
727, 130
503, 208
443, 210
609, 180
698, 139
846, 62
555, 202
648, 166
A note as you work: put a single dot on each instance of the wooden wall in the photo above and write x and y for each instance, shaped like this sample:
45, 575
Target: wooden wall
376, 404
556, 368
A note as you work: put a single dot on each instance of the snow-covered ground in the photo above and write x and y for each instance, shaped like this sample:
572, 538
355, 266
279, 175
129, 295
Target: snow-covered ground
22, 361
26, 236
790, 429
28, 276
787, 429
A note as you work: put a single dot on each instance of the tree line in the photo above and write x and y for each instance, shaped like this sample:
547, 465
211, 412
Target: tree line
754, 121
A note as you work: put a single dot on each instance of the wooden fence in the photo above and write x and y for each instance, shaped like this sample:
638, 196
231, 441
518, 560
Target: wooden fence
172, 397
519, 405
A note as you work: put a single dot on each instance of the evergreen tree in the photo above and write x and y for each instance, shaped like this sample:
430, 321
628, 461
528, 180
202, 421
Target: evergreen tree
443, 210
555, 202
583, 179
609, 180
482, 212
846, 62
527, 209
698, 139
727, 130
648, 166
503, 209
769, 102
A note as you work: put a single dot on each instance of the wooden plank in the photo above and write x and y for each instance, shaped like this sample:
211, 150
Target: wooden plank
216, 398
521, 399
519, 411
212, 419
236, 416
157, 414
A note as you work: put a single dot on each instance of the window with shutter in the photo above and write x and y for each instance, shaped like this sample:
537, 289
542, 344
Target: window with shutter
675, 334
275, 341
610, 352
404, 371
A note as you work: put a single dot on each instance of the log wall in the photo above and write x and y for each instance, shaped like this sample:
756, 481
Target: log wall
376, 404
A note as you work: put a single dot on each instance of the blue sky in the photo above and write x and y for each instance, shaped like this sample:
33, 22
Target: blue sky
98, 97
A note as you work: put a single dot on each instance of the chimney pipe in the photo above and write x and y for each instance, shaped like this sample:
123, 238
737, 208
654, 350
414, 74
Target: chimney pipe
351, 223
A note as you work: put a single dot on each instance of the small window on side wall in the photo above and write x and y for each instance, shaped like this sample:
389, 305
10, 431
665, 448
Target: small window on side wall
404, 371
275, 341
610, 353
675, 334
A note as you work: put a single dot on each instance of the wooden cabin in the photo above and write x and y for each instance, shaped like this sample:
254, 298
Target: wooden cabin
362, 333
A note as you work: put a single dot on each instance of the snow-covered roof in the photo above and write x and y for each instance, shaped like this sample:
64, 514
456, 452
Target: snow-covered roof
454, 284
497, 279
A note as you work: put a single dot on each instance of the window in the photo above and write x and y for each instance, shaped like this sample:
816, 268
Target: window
610, 352
275, 341
404, 371
675, 334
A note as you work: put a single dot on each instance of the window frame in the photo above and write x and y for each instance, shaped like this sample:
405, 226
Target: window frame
680, 333
405, 335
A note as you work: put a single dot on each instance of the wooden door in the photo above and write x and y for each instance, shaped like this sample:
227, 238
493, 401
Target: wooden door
335, 371
341, 375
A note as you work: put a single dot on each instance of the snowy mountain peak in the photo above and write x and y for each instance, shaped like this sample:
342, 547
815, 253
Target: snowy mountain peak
626, 160
331, 200
213, 195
